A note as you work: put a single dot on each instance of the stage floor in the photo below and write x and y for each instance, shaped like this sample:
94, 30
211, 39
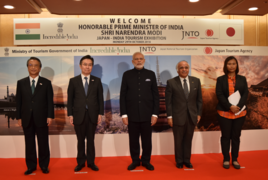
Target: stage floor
206, 166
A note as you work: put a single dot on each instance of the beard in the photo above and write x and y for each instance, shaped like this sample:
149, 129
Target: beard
139, 66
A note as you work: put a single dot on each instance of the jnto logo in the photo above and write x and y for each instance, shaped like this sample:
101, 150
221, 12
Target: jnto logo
208, 50
148, 49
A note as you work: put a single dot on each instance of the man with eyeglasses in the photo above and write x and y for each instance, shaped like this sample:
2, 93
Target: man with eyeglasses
85, 110
35, 111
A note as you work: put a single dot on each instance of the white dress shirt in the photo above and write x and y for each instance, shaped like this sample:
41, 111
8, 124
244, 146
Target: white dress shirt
35, 79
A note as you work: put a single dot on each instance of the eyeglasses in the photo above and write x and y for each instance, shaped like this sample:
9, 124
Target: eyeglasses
34, 65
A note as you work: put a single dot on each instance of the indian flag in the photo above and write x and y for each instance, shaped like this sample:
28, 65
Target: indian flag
26, 27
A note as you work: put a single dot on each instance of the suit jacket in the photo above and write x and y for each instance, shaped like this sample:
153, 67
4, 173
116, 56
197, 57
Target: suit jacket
40, 104
222, 92
139, 98
176, 103
77, 99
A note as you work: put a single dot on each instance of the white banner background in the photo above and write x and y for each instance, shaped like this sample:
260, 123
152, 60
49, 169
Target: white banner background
129, 50
132, 30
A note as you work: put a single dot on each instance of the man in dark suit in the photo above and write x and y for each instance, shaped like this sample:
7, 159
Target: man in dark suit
184, 107
139, 106
85, 110
35, 111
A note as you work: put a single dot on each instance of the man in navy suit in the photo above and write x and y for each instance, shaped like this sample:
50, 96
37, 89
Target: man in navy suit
85, 110
35, 111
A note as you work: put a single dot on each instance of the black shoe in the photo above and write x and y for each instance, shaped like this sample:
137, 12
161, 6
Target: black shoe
179, 165
225, 165
79, 167
29, 171
93, 167
236, 166
148, 166
189, 165
133, 165
45, 170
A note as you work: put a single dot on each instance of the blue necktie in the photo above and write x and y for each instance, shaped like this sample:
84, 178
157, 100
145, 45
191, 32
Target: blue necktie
86, 88
33, 86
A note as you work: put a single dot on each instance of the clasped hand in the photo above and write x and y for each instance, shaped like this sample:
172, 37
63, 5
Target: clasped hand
235, 109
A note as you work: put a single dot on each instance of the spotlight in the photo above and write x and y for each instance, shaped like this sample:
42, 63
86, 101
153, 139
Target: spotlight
253, 9
8, 7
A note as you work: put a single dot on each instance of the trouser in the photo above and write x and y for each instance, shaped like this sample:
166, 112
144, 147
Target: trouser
30, 145
135, 130
85, 130
183, 136
230, 131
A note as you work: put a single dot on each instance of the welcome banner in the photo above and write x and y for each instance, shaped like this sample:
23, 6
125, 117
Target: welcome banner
62, 63
128, 30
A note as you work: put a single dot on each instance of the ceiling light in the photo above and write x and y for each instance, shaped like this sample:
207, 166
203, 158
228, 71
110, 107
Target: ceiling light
253, 9
8, 7
77, 0
193, 0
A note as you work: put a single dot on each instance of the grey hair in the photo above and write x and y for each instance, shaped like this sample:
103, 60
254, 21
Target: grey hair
180, 62
135, 55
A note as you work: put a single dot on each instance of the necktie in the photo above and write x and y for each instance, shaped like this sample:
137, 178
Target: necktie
33, 86
86, 87
185, 88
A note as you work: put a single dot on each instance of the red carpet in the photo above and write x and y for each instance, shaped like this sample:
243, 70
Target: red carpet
206, 166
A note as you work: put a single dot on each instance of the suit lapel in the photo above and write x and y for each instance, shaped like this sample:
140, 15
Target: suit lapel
80, 84
191, 84
27, 84
178, 80
39, 85
237, 77
91, 83
226, 85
